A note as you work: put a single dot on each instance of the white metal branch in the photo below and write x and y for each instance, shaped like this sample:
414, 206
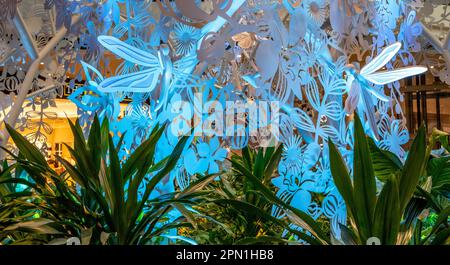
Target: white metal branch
29, 77
42, 90
441, 47
25, 35
429, 35
7, 55
447, 41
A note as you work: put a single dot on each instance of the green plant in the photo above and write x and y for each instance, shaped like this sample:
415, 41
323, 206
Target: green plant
433, 196
10, 211
246, 198
235, 195
390, 215
105, 207
430, 196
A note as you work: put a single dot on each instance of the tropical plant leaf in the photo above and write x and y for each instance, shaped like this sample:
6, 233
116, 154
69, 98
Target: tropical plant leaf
387, 213
38, 225
364, 187
384, 162
248, 208
341, 177
413, 169
439, 170
269, 195
441, 238
264, 240
28, 150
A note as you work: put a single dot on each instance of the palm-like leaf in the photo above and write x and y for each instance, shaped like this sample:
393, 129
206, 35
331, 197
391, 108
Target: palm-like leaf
257, 169
380, 216
108, 198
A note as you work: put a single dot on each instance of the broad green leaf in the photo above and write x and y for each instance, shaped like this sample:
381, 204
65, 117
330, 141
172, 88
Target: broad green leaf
439, 170
341, 177
386, 220
414, 208
39, 226
413, 169
384, 162
143, 151
94, 142
258, 165
30, 151
442, 238
364, 187
272, 160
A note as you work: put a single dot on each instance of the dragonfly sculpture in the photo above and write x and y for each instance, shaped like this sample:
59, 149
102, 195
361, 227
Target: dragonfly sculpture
358, 82
157, 66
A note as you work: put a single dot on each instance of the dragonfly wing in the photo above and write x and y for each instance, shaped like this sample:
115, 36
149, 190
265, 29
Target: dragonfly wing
379, 95
128, 52
385, 77
143, 81
381, 59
